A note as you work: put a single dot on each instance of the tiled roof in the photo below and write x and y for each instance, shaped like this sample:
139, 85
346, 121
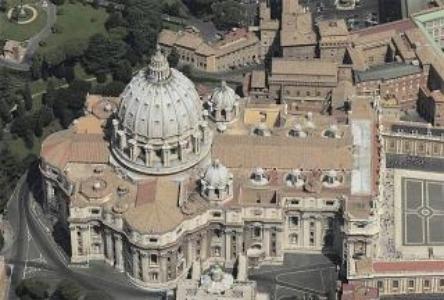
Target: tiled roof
282, 152
386, 72
409, 266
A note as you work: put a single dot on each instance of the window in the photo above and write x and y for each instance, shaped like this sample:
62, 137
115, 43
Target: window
153, 259
426, 283
293, 238
217, 214
257, 232
95, 211
293, 221
395, 284
153, 276
153, 240
441, 282
380, 284
411, 284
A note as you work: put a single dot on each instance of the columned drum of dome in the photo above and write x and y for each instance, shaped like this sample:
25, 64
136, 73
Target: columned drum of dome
160, 128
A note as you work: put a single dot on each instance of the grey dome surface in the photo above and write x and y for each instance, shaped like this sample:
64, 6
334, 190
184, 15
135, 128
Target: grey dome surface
224, 97
217, 175
160, 107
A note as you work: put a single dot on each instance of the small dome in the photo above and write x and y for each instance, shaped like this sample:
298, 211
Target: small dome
224, 97
217, 175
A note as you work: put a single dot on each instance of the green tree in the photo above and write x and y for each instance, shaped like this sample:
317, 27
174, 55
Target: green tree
36, 66
32, 289
103, 53
123, 71
50, 95
228, 14
114, 20
2, 46
173, 58
68, 290
27, 96
200, 7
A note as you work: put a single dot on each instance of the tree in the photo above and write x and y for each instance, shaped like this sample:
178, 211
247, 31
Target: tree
68, 290
173, 58
228, 14
58, 2
123, 71
103, 53
27, 96
114, 20
50, 95
32, 289
2, 46
112, 89
36, 66
200, 7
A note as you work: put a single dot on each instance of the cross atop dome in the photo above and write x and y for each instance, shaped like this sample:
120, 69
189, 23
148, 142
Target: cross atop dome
159, 68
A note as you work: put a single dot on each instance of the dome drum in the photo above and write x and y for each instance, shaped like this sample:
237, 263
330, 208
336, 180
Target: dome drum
216, 183
224, 104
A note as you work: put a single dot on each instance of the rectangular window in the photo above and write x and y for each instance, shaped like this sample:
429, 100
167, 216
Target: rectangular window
411, 284
293, 221
426, 283
395, 284
441, 282
380, 284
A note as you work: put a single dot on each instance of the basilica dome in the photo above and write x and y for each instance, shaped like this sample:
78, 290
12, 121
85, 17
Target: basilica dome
224, 103
160, 127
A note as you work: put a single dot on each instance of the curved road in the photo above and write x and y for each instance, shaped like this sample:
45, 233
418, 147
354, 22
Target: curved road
27, 228
33, 42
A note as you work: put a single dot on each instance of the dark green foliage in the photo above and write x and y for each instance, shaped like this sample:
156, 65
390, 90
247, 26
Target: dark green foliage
228, 14
32, 289
68, 290
115, 20
103, 54
112, 89
123, 71
36, 66
27, 96
200, 7
69, 102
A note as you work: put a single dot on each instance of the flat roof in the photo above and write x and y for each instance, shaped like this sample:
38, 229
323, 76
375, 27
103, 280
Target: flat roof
362, 157
386, 72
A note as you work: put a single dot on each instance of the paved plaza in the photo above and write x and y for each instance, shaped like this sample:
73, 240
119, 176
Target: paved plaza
423, 211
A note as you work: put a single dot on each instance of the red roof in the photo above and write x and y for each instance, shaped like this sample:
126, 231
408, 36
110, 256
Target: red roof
399, 26
409, 266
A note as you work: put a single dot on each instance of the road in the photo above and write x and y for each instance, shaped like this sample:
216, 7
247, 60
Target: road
33, 42
34, 253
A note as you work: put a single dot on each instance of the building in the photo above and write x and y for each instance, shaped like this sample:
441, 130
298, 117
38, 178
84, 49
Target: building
155, 193
237, 48
4, 280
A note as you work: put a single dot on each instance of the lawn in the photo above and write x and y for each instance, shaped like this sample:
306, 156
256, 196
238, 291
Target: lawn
12, 31
78, 23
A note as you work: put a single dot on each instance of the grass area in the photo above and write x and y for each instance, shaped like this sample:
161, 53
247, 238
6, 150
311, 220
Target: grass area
78, 23
13, 31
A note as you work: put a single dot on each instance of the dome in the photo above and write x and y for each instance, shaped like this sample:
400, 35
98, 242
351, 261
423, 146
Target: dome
160, 103
160, 127
224, 97
217, 175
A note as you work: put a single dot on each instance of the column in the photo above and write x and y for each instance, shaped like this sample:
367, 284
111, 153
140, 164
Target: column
145, 267
319, 233
196, 144
149, 153
228, 233
267, 241
109, 246
135, 255
133, 149
118, 251
190, 255
239, 241
115, 129
204, 246
74, 252
166, 155
122, 140
181, 150
163, 268
279, 239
